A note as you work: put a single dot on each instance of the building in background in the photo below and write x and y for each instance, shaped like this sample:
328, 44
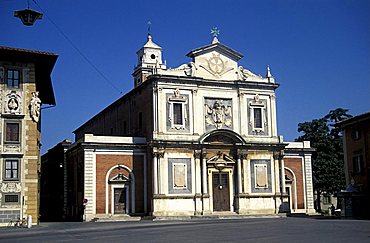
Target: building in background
199, 139
356, 145
25, 84
52, 188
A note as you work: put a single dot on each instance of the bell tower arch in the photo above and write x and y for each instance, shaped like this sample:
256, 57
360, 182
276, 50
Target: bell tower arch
149, 59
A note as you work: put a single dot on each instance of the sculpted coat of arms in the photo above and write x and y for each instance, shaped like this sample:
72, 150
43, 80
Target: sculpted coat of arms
13, 103
218, 115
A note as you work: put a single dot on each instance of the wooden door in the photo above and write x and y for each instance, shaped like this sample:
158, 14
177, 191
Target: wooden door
221, 191
119, 200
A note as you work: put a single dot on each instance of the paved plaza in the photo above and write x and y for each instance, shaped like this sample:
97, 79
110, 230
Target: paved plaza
215, 230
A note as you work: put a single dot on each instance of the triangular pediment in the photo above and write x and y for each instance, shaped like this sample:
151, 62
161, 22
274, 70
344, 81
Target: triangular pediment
215, 61
218, 48
119, 178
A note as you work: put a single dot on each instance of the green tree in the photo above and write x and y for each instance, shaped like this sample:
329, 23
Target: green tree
327, 162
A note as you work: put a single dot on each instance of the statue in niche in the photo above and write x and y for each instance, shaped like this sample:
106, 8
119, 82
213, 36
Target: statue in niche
35, 106
218, 115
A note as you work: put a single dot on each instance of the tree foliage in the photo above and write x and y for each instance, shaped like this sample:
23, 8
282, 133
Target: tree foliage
327, 162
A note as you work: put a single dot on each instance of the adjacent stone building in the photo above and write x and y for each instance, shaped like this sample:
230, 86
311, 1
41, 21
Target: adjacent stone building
200, 139
25, 84
356, 144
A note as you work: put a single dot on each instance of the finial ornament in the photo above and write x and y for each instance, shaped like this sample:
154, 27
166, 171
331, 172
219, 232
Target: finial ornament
268, 74
149, 25
215, 31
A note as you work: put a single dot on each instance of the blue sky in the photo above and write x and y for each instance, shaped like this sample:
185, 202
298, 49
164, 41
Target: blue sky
318, 50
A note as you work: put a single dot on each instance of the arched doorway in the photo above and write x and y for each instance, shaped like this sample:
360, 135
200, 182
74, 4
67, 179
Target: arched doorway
291, 189
120, 190
220, 151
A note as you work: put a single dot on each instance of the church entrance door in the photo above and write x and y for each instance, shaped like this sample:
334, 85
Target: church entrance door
221, 191
119, 200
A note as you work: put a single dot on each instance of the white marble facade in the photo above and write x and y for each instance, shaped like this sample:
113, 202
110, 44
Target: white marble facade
211, 140
215, 142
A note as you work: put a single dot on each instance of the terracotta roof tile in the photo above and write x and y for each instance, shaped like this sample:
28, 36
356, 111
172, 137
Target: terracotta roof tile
27, 51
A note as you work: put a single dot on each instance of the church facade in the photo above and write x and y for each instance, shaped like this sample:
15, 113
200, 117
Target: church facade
200, 139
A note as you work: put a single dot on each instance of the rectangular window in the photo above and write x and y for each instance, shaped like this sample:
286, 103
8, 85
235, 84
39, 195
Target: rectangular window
357, 164
13, 78
11, 198
355, 134
12, 132
11, 169
257, 117
177, 114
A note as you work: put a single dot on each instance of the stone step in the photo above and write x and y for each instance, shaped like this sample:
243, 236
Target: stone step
116, 218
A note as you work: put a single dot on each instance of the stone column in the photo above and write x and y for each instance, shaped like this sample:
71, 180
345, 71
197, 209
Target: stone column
276, 172
278, 202
239, 176
205, 196
282, 167
155, 173
240, 158
198, 183
198, 180
204, 173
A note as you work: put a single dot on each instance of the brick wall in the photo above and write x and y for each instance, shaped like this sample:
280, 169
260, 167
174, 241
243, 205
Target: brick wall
295, 164
106, 162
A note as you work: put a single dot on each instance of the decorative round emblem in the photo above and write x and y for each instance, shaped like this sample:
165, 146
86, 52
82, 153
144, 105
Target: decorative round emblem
216, 64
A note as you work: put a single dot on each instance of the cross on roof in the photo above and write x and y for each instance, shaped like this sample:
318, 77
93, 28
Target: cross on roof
215, 31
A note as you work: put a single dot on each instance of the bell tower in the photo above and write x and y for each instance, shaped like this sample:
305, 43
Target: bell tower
149, 60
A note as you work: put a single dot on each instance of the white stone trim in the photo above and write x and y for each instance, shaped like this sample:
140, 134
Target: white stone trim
89, 182
295, 187
132, 184
308, 184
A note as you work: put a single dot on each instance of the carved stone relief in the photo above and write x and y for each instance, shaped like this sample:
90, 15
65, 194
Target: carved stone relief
189, 69
244, 74
13, 103
218, 114
15, 148
216, 66
11, 187
35, 106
